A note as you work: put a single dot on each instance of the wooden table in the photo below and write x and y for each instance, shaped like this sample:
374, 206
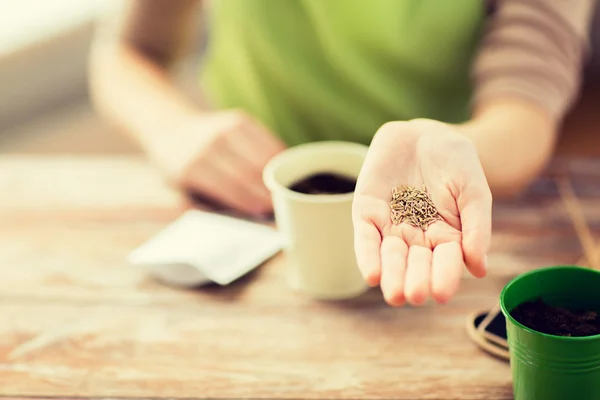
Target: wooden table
76, 321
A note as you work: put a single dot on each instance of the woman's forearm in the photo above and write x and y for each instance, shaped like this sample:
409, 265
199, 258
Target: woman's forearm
527, 75
130, 81
515, 142
135, 94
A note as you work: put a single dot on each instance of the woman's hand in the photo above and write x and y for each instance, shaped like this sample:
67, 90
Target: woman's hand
409, 264
221, 155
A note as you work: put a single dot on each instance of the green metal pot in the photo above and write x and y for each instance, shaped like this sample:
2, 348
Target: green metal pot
548, 367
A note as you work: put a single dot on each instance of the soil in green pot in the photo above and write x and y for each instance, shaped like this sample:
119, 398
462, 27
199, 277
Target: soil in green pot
324, 183
558, 321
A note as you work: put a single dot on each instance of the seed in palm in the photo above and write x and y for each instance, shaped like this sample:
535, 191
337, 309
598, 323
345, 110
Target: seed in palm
414, 206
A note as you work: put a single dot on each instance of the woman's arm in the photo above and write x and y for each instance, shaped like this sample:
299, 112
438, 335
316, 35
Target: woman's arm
527, 76
219, 155
129, 67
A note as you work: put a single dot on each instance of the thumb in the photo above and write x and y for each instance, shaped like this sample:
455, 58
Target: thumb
475, 208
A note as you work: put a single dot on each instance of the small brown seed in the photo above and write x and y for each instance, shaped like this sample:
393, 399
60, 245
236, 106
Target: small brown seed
414, 206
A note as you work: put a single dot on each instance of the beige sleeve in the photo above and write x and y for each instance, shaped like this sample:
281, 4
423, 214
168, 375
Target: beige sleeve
534, 50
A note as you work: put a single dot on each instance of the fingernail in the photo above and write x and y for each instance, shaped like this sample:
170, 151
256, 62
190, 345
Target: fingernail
373, 278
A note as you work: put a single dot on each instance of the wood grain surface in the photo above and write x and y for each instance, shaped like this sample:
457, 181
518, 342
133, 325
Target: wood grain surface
76, 321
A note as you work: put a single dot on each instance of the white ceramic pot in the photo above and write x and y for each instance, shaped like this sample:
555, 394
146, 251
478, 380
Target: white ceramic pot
318, 230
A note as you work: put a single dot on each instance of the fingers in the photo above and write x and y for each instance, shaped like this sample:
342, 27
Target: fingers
257, 147
244, 175
256, 143
368, 217
393, 267
475, 207
367, 241
266, 140
219, 185
237, 168
412, 274
418, 275
232, 172
446, 271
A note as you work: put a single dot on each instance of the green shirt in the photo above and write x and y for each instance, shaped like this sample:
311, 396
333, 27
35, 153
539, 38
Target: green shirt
338, 69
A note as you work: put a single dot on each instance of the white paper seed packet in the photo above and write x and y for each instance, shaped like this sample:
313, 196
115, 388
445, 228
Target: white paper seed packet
201, 247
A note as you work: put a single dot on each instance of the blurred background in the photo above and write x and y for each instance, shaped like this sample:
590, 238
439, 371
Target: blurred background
44, 106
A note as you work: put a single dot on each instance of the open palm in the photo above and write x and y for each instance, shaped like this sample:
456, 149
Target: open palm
408, 263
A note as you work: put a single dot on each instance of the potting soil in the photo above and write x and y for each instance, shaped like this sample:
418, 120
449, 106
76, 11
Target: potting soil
559, 321
325, 183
